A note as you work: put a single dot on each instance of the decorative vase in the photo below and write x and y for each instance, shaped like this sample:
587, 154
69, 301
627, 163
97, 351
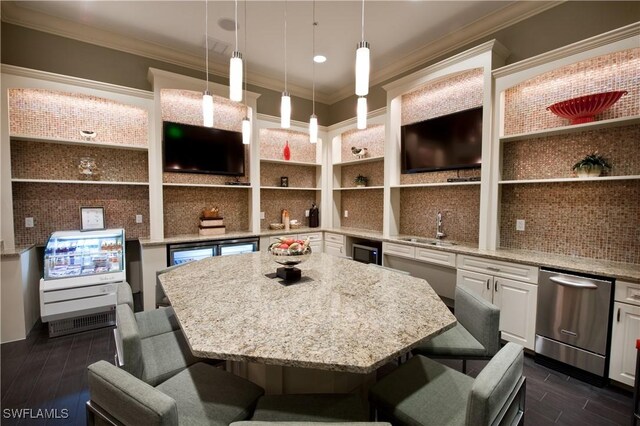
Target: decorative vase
286, 152
589, 172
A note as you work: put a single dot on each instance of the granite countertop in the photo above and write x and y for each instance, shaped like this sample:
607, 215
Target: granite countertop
342, 316
188, 238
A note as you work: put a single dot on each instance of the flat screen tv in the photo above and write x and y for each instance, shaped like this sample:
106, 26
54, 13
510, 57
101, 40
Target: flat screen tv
195, 149
447, 142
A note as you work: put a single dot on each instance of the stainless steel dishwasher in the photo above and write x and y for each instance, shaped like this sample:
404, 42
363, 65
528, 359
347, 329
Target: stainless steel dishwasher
573, 320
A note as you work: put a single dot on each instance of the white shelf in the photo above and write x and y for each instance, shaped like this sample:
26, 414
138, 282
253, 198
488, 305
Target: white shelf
78, 143
560, 180
595, 125
293, 163
359, 161
290, 188
426, 185
356, 188
207, 185
81, 182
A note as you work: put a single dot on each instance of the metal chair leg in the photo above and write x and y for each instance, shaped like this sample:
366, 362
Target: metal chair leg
464, 366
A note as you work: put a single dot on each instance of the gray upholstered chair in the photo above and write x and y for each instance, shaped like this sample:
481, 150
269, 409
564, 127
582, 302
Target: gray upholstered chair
199, 395
161, 298
311, 408
424, 392
124, 295
157, 321
476, 336
153, 358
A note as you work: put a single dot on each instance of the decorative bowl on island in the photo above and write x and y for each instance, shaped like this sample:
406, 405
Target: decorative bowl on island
583, 109
290, 252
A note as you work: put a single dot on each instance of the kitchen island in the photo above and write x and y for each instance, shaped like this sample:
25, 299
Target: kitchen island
328, 332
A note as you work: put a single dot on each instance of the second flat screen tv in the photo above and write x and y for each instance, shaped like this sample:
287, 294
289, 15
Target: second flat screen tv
196, 149
448, 142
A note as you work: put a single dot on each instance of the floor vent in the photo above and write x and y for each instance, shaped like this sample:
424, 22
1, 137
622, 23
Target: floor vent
83, 323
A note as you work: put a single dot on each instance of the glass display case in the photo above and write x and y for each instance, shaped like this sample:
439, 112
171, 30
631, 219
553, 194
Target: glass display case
84, 253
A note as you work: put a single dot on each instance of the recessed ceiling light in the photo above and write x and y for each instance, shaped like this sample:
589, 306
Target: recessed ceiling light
319, 59
227, 24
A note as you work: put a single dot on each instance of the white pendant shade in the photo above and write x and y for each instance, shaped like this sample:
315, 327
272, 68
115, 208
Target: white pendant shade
207, 109
362, 69
235, 77
285, 111
362, 113
313, 129
246, 131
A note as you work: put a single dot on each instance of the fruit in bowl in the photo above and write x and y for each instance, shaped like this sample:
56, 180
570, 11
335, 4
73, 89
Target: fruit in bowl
289, 251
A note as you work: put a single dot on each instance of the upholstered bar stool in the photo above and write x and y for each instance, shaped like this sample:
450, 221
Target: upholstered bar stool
424, 392
476, 336
311, 408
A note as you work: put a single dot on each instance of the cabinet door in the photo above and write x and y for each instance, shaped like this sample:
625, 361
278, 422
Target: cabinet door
626, 329
517, 302
481, 284
334, 248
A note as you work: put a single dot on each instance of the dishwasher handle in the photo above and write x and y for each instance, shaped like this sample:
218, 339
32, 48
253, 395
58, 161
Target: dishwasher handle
559, 279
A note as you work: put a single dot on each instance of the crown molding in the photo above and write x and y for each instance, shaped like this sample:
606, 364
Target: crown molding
74, 81
476, 30
14, 14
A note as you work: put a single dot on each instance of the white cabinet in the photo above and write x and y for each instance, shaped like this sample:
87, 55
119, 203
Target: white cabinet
400, 250
517, 299
625, 331
334, 244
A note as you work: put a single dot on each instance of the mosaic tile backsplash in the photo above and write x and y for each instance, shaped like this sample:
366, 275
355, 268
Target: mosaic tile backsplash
299, 176
460, 206
374, 171
554, 156
272, 143
272, 201
365, 209
438, 176
36, 160
56, 207
183, 207
451, 94
599, 220
185, 106
371, 138
51, 114
526, 103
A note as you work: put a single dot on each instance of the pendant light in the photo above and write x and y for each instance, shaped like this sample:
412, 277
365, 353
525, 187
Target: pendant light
285, 103
362, 113
235, 67
362, 63
207, 99
246, 123
313, 121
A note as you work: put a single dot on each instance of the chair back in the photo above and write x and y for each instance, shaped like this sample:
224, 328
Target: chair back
497, 395
129, 341
160, 296
480, 318
118, 398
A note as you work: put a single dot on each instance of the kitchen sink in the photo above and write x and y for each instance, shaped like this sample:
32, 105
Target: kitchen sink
429, 241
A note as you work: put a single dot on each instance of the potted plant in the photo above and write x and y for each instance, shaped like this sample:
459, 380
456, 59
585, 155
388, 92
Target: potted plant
361, 181
591, 166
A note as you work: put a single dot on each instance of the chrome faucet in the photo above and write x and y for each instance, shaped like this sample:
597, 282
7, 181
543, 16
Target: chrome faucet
439, 233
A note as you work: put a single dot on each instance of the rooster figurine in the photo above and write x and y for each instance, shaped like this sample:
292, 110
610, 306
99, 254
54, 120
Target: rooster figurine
359, 152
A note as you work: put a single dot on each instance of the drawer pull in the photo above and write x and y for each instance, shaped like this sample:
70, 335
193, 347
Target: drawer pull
493, 269
495, 286
488, 283
618, 316
570, 333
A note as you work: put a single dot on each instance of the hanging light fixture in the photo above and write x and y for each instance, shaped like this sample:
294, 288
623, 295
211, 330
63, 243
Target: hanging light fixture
235, 67
207, 99
246, 123
285, 103
313, 121
362, 63
362, 113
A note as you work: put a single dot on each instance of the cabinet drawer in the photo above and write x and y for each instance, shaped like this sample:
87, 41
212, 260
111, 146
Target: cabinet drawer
335, 249
335, 238
436, 256
627, 293
313, 236
400, 250
498, 268
78, 293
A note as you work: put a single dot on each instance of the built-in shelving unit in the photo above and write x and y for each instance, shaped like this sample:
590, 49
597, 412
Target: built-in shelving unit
291, 188
359, 188
360, 161
78, 142
434, 184
79, 182
577, 179
293, 163
206, 185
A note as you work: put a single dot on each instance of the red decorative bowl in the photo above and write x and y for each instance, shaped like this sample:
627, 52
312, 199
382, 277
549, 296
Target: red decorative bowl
584, 108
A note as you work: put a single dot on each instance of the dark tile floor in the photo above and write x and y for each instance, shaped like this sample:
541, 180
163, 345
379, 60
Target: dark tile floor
51, 373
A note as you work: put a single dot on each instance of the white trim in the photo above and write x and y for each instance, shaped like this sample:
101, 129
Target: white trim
289, 188
427, 185
359, 188
80, 182
41, 139
360, 161
572, 179
293, 163
206, 185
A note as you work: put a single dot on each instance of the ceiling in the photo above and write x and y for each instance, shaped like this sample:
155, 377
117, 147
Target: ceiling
402, 34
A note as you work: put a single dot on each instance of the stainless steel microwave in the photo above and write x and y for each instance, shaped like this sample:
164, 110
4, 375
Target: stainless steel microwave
366, 254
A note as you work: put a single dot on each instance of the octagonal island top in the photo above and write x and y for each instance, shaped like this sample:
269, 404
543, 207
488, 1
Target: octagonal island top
342, 316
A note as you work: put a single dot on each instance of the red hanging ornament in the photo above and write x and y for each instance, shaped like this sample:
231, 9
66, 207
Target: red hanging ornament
286, 152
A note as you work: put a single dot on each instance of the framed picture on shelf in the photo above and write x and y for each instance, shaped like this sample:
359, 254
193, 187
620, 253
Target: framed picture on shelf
92, 218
